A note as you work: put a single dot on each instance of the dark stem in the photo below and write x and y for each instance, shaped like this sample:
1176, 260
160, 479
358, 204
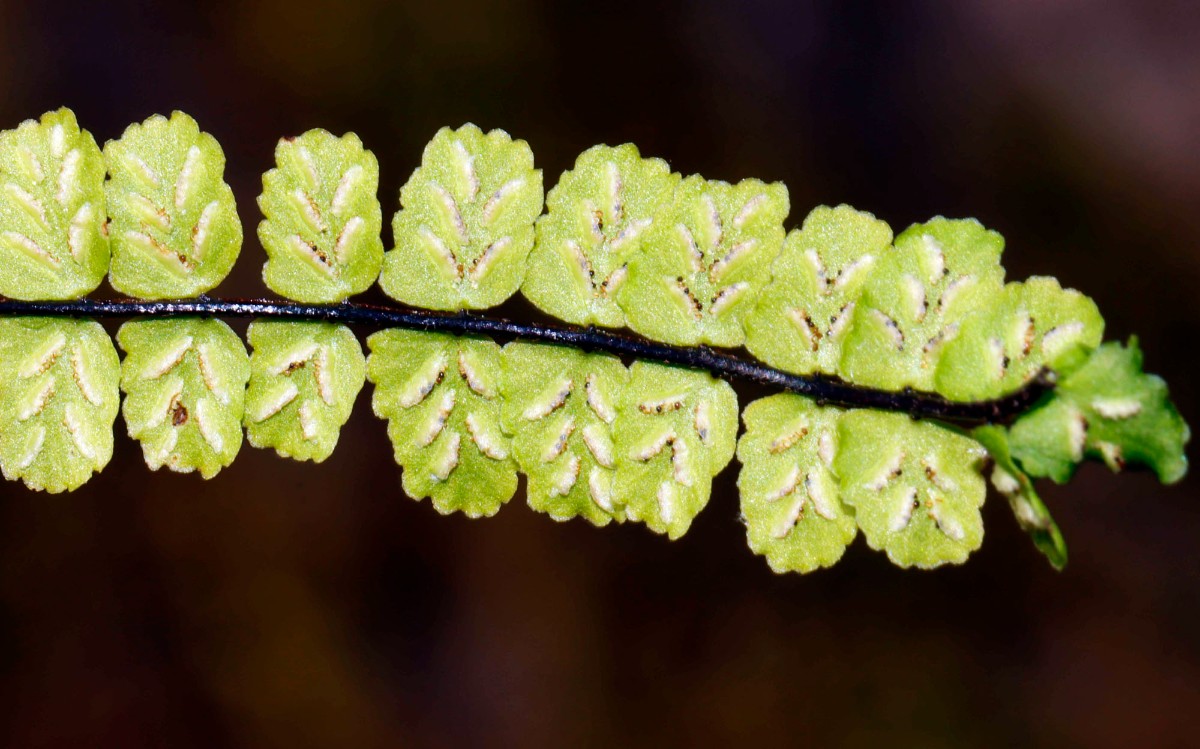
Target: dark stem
824, 390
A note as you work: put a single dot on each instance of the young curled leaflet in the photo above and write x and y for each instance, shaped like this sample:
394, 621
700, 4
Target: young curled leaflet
915, 371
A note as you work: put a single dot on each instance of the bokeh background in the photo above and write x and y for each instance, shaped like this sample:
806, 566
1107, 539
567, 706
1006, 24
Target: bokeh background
295, 605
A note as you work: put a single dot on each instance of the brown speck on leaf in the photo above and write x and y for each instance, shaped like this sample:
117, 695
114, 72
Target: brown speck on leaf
317, 252
814, 333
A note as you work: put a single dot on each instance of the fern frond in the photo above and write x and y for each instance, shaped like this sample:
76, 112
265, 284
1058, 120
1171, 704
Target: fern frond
185, 387
321, 230
1031, 325
441, 397
53, 243
915, 487
304, 378
712, 251
791, 498
866, 331
597, 220
916, 300
1015, 485
59, 401
675, 430
1107, 409
805, 312
465, 227
174, 226
560, 405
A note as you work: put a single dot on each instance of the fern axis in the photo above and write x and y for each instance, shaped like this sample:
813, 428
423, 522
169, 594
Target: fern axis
824, 390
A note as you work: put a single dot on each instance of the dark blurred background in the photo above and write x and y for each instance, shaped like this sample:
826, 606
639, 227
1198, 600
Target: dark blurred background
295, 605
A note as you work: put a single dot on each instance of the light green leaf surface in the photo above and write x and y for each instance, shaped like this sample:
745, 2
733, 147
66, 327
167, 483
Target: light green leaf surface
790, 496
706, 260
441, 397
58, 402
1032, 514
1032, 324
915, 301
53, 243
465, 228
175, 229
915, 487
321, 231
596, 220
805, 311
1107, 409
559, 407
304, 378
185, 386
675, 429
